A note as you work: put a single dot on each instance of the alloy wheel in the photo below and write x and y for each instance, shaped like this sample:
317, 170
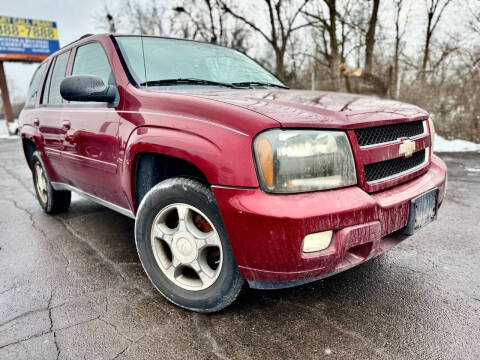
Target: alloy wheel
186, 246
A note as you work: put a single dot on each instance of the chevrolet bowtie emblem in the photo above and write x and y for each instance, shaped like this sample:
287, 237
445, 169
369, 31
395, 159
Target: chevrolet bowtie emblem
407, 147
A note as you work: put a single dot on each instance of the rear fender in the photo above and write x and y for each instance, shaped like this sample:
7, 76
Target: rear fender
32, 133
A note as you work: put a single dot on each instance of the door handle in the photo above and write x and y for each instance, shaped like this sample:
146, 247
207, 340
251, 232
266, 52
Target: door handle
69, 139
66, 125
36, 121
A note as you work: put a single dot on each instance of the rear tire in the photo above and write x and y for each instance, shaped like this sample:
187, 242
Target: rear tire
51, 200
184, 248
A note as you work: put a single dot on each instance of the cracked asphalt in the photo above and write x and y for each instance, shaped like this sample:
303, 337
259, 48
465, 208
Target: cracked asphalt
71, 287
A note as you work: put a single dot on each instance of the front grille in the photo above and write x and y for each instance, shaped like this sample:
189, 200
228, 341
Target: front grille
388, 133
388, 168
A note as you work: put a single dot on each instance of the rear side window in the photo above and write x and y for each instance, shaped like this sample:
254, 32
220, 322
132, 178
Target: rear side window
91, 59
33, 88
51, 95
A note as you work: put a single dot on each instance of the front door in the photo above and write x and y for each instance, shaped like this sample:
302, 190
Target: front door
90, 146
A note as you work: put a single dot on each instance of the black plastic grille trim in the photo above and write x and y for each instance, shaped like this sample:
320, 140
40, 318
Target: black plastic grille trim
387, 168
388, 133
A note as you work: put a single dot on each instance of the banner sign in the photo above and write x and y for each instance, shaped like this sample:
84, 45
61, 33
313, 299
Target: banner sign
27, 39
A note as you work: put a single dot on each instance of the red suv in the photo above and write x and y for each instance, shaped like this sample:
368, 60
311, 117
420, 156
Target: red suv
231, 177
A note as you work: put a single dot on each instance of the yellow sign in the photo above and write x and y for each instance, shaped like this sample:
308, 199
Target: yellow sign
28, 28
27, 39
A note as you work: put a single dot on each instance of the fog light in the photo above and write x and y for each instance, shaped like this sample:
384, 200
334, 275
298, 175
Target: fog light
317, 242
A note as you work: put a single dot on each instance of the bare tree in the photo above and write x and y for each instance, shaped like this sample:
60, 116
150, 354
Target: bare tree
474, 26
370, 37
111, 23
210, 23
327, 26
299, 65
474, 23
399, 34
361, 37
435, 10
108, 19
210, 27
146, 19
282, 17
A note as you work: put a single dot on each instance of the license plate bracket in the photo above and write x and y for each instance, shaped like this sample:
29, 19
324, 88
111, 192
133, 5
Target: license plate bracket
423, 210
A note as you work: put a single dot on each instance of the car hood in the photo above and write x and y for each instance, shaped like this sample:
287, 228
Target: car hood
300, 108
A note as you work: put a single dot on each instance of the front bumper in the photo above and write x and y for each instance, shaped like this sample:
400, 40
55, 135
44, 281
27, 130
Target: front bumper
266, 230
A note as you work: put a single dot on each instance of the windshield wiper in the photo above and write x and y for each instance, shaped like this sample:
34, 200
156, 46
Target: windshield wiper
259, 83
191, 81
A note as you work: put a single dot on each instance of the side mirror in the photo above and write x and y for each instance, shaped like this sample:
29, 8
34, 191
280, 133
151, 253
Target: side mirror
87, 88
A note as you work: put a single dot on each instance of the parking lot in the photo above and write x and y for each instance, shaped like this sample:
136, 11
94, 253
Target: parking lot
71, 286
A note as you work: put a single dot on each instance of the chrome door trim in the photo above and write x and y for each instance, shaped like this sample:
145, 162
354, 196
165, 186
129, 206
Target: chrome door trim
61, 186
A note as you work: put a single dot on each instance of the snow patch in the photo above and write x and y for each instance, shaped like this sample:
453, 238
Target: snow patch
4, 129
444, 145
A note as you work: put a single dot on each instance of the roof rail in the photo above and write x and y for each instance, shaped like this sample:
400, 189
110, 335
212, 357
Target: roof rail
84, 36
80, 38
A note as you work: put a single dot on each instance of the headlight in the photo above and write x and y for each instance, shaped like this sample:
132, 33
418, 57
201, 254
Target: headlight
303, 160
432, 132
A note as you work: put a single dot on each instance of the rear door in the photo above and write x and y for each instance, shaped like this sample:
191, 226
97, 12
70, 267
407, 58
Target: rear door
30, 115
90, 147
50, 112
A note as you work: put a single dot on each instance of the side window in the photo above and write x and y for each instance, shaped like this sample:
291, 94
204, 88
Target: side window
33, 88
91, 59
46, 86
51, 94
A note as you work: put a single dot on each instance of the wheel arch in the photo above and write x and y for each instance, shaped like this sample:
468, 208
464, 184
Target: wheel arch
150, 168
29, 147
153, 154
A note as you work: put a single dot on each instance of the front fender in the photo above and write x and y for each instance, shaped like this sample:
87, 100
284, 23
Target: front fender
224, 160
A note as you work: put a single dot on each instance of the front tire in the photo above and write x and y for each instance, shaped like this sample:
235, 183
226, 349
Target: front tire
183, 246
51, 200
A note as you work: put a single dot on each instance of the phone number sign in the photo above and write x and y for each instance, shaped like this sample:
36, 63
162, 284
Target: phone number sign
27, 39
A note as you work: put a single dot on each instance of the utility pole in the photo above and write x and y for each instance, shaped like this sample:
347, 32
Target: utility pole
7, 107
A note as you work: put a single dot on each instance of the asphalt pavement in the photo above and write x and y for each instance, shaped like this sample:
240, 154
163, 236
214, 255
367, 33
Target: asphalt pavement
71, 287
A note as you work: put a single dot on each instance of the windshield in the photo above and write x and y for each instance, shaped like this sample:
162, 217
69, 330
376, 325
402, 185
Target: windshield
171, 59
